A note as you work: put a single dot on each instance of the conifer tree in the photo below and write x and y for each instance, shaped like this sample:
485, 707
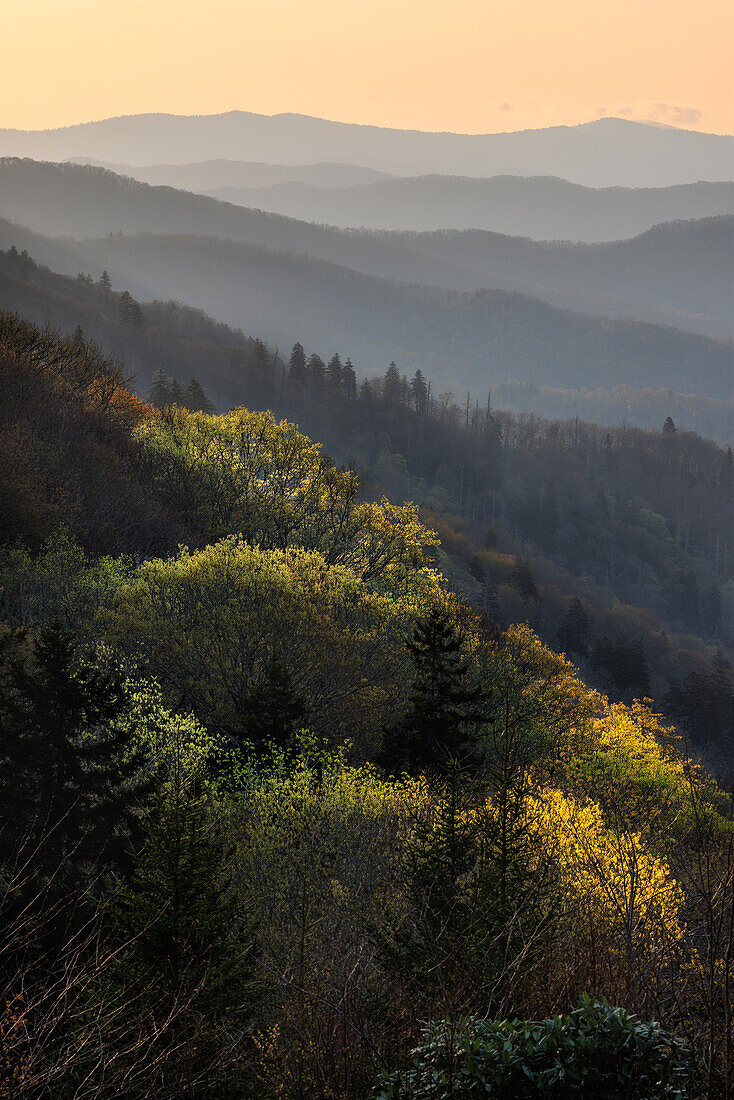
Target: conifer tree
349, 380
160, 391
272, 711
195, 398
78, 337
419, 392
335, 371
297, 365
69, 775
187, 941
445, 710
575, 629
522, 579
316, 372
105, 283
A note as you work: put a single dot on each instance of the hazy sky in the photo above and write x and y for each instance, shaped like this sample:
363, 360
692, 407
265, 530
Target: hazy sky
465, 65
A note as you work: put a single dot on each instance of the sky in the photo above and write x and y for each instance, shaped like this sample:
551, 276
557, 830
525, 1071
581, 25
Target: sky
464, 65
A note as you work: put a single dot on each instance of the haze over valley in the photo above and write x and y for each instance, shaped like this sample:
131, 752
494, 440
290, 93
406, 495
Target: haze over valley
366, 553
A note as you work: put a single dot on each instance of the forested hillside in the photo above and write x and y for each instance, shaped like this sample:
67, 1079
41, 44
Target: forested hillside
532, 512
273, 796
678, 274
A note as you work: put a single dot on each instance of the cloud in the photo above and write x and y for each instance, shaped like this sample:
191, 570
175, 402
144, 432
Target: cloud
501, 105
648, 110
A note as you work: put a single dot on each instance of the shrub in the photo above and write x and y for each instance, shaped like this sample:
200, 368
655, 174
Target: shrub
595, 1051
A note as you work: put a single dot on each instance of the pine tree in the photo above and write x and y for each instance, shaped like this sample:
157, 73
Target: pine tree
160, 391
195, 398
297, 365
669, 426
349, 380
78, 337
445, 710
69, 776
316, 372
335, 372
272, 711
105, 283
419, 392
522, 579
392, 386
186, 940
176, 393
575, 629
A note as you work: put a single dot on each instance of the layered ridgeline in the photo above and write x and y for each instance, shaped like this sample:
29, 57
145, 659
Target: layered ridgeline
678, 274
539, 207
532, 512
216, 873
46, 297
597, 154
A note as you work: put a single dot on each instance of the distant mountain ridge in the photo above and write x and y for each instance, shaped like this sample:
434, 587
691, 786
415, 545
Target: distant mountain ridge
462, 340
539, 207
606, 152
209, 174
679, 274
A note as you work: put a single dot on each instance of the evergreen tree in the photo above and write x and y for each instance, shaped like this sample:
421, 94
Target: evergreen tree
335, 372
522, 579
392, 387
160, 391
669, 426
349, 380
196, 400
297, 365
105, 283
176, 393
445, 710
69, 776
187, 944
129, 311
78, 337
575, 629
316, 372
419, 392
272, 711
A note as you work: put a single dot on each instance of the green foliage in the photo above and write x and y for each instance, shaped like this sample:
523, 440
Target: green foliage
61, 582
444, 706
595, 1052
72, 778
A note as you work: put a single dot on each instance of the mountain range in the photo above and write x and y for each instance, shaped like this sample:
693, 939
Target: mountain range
679, 274
608, 151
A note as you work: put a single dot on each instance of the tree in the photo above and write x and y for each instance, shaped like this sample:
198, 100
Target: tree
335, 372
316, 372
105, 283
78, 337
196, 400
272, 711
297, 365
186, 940
70, 774
349, 380
130, 311
419, 392
392, 388
522, 579
160, 391
669, 426
445, 709
575, 629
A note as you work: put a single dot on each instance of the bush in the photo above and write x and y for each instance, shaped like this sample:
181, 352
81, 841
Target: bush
595, 1051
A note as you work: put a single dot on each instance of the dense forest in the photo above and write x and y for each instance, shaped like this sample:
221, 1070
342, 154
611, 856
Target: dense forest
282, 815
635, 525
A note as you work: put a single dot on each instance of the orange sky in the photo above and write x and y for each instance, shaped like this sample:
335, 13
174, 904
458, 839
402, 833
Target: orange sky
464, 65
